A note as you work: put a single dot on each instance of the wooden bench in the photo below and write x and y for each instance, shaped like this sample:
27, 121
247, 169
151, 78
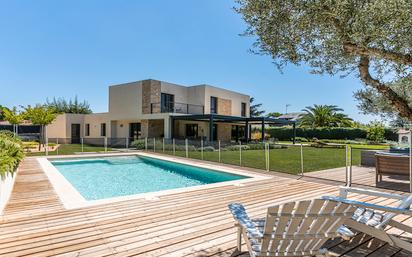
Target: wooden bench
391, 164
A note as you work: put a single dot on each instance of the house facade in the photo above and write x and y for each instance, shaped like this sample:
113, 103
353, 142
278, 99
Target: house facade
153, 108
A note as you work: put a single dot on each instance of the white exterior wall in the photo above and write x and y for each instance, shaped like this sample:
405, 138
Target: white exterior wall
6, 187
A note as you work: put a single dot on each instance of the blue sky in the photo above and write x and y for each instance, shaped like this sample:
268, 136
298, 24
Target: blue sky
68, 48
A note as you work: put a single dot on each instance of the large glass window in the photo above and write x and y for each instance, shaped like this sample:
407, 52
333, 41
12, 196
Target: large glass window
213, 105
243, 110
191, 130
167, 102
238, 132
103, 129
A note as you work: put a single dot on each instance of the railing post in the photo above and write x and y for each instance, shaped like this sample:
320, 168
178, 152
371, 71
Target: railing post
154, 144
163, 145
347, 165
240, 153
57, 146
174, 147
145, 143
201, 148
350, 167
81, 140
187, 148
218, 143
105, 144
267, 152
410, 160
301, 159
127, 143
47, 146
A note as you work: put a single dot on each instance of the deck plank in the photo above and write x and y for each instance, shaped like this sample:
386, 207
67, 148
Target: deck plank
195, 223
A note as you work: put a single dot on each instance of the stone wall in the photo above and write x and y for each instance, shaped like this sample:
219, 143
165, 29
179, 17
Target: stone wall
151, 91
224, 132
224, 106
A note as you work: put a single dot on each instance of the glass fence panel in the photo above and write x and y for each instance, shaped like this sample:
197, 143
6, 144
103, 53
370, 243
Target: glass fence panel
253, 155
211, 151
285, 158
194, 149
230, 153
180, 147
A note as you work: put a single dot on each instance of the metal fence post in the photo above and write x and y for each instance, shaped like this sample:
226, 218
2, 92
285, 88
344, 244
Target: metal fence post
47, 146
174, 147
218, 142
145, 143
240, 153
268, 157
154, 144
201, 149
410, 161
187, 148
81, 140
301, 159
350, 167
163, 145
57, 146
346, 166
105, 144
127, 143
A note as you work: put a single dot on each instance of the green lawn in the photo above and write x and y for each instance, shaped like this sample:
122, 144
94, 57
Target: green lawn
284, 160
71, 149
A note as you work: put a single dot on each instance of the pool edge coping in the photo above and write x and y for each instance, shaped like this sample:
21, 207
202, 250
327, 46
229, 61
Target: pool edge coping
72, 199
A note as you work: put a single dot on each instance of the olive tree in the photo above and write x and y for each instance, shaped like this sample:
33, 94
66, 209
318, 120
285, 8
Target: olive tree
372, 39
41, 115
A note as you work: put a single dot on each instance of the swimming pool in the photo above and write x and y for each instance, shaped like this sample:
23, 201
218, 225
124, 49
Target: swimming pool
107, 177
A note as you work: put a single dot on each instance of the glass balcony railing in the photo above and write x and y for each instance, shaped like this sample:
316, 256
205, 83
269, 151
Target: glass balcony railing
173, 107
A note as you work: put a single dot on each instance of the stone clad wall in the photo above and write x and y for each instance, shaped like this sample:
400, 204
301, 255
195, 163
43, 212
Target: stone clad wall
151, 91
224, 106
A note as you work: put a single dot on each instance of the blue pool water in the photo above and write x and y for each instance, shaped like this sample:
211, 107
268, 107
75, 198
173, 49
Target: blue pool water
102, 178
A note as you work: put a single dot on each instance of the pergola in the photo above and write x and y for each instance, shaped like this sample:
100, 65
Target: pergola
216, 118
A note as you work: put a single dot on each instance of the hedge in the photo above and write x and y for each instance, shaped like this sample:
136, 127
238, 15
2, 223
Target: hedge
286, 133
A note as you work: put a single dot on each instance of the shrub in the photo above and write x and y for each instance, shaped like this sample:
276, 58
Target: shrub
237, 147
139, 144
11, 153
208, 149
375, 132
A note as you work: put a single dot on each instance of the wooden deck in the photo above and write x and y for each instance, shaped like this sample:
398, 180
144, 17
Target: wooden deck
195, 223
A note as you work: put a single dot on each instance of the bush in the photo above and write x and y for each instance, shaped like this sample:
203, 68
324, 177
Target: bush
208, 149
286, 133
139, 144
375, 132
11, 153
301, 139
236, 147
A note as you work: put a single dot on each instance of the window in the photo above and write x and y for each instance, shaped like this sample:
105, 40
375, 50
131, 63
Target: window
87, 130
238, 132
243, 109
191, 130
167, 102
213, 105
214, 132
103, 129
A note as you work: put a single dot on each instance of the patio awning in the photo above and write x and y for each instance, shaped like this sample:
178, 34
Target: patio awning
212, 118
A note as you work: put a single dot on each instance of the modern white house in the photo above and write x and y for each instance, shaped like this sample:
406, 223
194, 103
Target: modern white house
153, 108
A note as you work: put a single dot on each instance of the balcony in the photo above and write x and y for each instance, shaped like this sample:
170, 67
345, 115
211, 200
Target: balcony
173, 107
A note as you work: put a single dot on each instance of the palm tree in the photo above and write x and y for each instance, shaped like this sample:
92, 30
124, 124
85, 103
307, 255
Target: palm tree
324, 116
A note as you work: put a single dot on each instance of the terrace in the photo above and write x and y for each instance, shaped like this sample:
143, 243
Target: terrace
193, 223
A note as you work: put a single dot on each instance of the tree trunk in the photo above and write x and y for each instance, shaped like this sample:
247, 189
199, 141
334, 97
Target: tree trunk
399, 103
40, 137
